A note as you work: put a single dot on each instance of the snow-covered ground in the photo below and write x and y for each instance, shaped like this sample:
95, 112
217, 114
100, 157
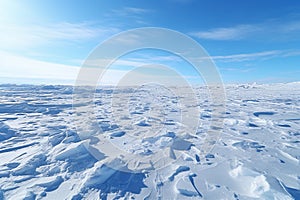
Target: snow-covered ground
42, 155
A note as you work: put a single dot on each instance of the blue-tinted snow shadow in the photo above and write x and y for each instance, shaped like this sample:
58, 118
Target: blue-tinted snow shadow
108, 180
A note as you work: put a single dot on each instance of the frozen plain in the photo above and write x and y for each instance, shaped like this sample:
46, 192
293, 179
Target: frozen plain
256, 157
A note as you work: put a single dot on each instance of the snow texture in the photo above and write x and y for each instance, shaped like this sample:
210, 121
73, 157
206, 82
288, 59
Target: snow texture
42, 156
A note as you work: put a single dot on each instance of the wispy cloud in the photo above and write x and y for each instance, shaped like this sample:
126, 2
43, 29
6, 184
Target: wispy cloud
119, 63
239, 69
275, 28
131, 62
136, 10
134, 14
16, 36
16, 66
263, 55
229, 33
291, 26
130, 11
249, 56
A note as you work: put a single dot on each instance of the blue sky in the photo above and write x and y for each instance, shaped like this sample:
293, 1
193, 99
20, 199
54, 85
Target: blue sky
250, 41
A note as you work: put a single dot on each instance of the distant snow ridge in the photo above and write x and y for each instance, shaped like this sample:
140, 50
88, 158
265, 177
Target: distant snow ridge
43, 157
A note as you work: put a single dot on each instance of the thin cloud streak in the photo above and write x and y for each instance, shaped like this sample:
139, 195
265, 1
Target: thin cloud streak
130, 11
249, 56
239, 70
16, 67
134, 14
230, 33
275, 28
15, 36
264, 55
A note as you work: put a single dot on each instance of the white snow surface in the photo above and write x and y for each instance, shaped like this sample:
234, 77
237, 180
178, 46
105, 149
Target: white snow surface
43, 157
